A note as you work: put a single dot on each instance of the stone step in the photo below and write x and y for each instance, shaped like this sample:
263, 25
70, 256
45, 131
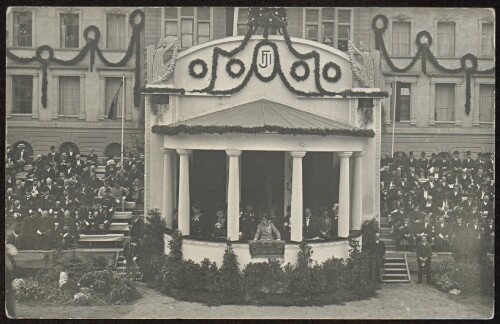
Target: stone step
395, 280
395, 270
394, 264
395, 275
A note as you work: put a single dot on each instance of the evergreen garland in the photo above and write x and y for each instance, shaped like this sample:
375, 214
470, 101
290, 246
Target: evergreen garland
93, 47
229, 70
171, 130
277, 70
202, 73
425, 54
295, 66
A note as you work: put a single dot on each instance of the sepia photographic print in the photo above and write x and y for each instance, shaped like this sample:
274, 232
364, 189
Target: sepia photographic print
249, 162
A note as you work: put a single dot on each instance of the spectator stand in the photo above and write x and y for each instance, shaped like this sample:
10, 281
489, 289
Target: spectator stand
401, 259
109, 244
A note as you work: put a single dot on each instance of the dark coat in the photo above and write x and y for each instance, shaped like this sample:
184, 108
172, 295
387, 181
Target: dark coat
424, 251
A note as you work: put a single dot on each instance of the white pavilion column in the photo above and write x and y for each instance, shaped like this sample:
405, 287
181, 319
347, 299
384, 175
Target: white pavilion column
168, 188
357, 200
344, 201
296, 200
184, 203
233, 196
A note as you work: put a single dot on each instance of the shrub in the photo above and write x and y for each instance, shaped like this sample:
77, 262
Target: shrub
229, 271
266, 277
468, 277
265, 283
335, 273
151, 246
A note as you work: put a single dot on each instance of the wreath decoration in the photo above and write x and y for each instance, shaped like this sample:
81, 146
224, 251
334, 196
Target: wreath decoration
229, 68
202, 64
338, 72
295, 66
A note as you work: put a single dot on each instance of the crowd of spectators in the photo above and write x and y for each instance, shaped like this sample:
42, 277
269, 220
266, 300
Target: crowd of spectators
448, 198
62, 197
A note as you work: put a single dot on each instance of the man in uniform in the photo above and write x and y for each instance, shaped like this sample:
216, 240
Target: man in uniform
325, 225
424, 255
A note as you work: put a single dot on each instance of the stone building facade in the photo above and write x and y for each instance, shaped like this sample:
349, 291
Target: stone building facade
430, 114
77, 94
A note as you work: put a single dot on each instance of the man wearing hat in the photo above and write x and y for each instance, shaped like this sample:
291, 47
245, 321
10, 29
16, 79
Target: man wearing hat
45, 230
456, 164
456, 195
467, 204
423, 164
21, 158
92, 158
406, 234
468, 162
412, 162
432, 161
28, 230
490, 165
108, 204
53, 156
63, 163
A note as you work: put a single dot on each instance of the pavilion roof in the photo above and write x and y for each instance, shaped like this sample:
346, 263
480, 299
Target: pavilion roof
262, 116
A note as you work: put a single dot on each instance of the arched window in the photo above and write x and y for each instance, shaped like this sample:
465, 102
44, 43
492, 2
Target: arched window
64, 148
27, 147
114, 150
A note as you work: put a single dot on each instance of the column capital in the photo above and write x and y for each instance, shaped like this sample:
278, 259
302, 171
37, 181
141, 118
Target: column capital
167, 150
233, 152
359, 154
297, 154
184, 152
344, 155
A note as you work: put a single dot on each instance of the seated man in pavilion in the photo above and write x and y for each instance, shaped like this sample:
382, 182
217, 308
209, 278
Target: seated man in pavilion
220, 228
266, 229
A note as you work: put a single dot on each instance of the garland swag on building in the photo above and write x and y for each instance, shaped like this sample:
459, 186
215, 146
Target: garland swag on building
45, 55
272, 19
468, 62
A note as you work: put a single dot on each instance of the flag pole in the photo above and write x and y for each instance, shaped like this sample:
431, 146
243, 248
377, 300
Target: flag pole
123, 117
394, 115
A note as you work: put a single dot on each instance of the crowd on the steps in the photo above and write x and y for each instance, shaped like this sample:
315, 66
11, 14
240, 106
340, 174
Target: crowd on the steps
61, 196
448, 197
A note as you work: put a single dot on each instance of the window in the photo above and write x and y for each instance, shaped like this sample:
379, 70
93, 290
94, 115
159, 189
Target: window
191, 25
403, 101
487, 39
69, 96
116, 32
23, 29
112, 88
69, 30
401, 37
486, 103
22, 94
445, 102
445, 38
242, 25
329, 26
